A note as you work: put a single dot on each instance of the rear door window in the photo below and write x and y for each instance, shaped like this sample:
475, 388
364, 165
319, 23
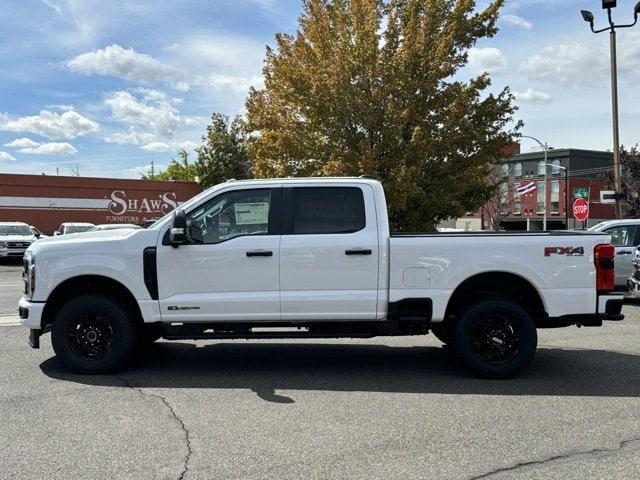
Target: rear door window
327, 210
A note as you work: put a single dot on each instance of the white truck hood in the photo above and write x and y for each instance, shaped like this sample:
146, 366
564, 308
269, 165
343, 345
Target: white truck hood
79, 240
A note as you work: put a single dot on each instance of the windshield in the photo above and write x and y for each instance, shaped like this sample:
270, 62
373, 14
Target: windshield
15, 230
78, 228
597, 227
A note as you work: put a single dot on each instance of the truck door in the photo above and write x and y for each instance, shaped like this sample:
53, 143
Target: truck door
329, 253
624, 240
230, 269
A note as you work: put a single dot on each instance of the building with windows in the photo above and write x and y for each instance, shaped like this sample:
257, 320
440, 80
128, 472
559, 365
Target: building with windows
571, 173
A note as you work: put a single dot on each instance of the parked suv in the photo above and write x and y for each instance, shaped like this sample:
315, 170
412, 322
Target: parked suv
15, 238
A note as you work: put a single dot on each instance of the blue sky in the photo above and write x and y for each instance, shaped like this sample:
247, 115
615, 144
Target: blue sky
108, 86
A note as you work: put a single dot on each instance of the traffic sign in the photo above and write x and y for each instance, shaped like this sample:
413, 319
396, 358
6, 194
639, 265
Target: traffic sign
581, 192
607, 196
581, 209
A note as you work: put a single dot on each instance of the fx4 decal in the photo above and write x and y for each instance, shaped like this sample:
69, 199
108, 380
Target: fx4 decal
175, 307
567, 251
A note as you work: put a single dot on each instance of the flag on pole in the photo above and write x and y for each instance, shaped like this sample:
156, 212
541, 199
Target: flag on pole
526, 187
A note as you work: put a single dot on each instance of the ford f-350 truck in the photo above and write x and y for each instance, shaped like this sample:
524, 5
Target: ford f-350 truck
310, 258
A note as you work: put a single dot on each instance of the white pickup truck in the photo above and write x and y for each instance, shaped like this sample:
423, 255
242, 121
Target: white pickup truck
310, 258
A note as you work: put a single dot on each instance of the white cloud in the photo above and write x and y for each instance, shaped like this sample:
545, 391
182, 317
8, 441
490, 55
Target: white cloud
567, 64
51, 149
533, 96
157, 147
49, 124
123, 63
517, 21
22, 143
490, 60
133, 137
197, 121
153, 111
170, 146
6, 157
584, 63
238, 84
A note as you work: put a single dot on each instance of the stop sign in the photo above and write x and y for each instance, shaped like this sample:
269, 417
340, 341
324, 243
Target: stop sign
581, 209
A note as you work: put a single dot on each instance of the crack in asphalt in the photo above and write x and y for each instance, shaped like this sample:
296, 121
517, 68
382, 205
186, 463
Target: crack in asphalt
187, 436
559, 458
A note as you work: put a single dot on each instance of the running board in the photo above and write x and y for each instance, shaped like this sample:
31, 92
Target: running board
177, 335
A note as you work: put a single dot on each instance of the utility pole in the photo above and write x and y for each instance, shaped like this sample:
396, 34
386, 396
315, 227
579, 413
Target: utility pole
589, 18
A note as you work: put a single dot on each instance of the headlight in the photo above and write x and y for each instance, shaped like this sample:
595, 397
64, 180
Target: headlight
29, 275
3, 244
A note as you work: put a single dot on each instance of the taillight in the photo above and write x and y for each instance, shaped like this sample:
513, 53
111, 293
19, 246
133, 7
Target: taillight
605, 273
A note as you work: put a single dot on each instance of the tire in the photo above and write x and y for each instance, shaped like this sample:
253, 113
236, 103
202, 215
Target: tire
94, 334
495, 339
442, 333
151, 332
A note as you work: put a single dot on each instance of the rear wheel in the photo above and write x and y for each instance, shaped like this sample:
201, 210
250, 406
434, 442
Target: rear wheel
94, 334
495, 339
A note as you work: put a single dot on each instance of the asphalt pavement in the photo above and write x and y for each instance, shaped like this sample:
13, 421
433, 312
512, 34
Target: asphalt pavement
379, 408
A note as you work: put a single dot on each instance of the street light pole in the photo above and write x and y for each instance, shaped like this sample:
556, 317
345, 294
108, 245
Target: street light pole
546, 157
588, 17
616, 125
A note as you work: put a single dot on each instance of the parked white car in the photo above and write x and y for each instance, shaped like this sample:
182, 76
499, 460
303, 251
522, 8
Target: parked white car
310, 258
37, 233
625, 237
15, 238
73, 227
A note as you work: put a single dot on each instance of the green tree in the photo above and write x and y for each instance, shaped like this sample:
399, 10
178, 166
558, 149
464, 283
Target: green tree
375, 87
629, 179
223, 154
179, 169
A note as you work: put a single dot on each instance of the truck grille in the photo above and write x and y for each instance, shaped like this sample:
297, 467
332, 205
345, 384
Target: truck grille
18, 244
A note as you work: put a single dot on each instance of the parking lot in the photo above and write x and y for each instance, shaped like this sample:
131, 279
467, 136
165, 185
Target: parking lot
379, 408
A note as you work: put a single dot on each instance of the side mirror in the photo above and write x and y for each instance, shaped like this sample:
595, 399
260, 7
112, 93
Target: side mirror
179, 233
56, 233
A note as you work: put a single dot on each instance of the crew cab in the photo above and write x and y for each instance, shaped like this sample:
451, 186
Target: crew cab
310, 258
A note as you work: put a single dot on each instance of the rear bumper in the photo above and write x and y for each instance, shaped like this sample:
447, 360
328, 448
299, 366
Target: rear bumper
609, 309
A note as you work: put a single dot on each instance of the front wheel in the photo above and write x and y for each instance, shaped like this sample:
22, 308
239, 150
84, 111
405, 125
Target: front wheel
495, 339
93, 334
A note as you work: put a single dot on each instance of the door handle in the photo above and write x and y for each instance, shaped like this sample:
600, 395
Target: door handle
624, 252
260, 253
358, 251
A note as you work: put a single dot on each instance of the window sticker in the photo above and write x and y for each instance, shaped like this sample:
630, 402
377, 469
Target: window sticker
251, 213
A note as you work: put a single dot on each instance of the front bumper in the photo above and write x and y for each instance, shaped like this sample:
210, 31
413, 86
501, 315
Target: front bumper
12, 252
30, 313
634, 287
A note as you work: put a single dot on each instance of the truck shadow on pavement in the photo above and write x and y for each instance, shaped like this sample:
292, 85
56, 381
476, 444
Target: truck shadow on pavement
269, 367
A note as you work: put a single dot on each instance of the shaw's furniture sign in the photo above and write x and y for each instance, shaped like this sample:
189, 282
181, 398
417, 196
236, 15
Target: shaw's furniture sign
47, 201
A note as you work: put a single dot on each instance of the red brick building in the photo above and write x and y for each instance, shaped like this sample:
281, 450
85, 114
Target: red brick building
570, 173
47, 201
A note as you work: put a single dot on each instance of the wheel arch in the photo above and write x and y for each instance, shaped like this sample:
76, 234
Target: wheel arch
507, 285
86, 284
